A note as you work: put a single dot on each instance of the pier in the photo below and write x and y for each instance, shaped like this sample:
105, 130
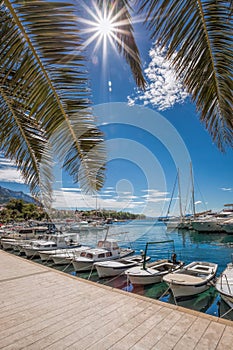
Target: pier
42, 308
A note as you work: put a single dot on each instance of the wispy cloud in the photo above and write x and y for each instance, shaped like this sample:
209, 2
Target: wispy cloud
154, 194
68, 189
226, 189
163, 89
9, 172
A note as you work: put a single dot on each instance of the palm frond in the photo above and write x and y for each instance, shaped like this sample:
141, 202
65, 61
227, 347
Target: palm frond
21, 137
54, 79
201, 34
124, 36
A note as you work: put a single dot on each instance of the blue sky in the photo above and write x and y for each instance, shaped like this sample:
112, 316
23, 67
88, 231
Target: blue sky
148, 136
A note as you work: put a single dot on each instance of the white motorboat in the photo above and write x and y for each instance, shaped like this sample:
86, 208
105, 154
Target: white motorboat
153, 272
192, 279
216, 222
65, 257
224, 285
8, 244
227, 226
55, 241
105, 250
23, 234
110, 268
47, 255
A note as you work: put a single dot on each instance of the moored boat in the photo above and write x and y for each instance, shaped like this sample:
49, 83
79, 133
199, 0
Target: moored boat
192, 279
110, 268
47, 255
224, 285
152, 272
67, 255
56, 241
105, 250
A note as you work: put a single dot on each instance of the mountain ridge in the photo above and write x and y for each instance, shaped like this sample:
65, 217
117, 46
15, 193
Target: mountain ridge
6, 194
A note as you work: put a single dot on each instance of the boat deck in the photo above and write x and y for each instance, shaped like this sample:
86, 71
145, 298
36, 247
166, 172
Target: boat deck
42, 308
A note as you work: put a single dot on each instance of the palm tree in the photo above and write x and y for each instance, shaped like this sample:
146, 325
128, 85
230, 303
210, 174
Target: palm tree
44, 95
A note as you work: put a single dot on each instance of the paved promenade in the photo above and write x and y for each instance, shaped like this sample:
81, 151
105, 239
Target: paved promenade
41, 308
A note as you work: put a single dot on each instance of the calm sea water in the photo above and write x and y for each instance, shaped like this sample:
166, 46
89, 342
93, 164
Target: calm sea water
189, 246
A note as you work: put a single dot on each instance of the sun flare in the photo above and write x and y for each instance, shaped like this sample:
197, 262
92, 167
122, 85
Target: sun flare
103, 26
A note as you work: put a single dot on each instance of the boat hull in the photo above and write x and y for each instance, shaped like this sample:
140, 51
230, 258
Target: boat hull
61, 260
81, 266
193, 279
111, 271
205, 226
113, 268
224, 285
153, 273
180, 291
145, 278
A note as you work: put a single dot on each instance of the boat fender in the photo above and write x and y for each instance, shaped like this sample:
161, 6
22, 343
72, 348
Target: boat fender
174, 256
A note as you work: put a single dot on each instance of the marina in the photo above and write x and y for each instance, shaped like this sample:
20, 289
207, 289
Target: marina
185, 246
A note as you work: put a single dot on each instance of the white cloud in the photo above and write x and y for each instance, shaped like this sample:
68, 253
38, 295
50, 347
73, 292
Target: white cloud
163, 89
11, 174
108, 191
71, 189
226, 189
153, 193
198, 202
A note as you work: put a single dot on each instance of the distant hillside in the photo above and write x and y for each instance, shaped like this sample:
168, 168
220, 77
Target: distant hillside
6, 195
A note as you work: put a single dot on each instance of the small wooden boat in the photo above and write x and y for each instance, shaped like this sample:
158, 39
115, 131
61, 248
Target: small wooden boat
110, 268
153, 272
224, 285
192, 279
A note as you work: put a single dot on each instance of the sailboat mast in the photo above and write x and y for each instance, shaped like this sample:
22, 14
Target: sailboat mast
193, 199
179, 188
173, 190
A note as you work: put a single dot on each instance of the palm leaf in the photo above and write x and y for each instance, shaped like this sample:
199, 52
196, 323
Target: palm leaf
54, 81
201, 34
123, 35
21, 138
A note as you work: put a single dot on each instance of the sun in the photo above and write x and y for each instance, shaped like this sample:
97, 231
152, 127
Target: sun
104, 26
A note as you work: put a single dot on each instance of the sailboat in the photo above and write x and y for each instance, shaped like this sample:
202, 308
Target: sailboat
174, 222
184, 221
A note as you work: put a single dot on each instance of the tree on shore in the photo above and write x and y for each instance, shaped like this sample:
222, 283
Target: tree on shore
17, 210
